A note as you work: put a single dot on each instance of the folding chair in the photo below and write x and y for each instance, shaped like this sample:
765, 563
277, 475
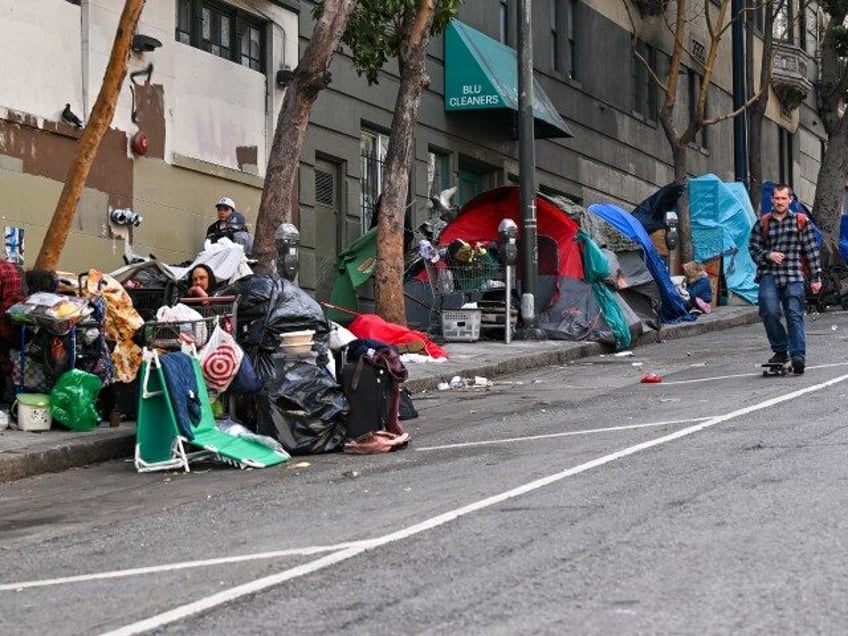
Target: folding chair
161, 446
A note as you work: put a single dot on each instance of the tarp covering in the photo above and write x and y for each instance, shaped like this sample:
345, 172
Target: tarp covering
721, 220
597, 271
672, 308
651, 212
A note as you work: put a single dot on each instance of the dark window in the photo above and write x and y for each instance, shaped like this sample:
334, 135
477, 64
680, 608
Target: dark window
372, 156
223, 31
758, 13
694, 81
503, 21
570, 30
784, 152
556, 65
438, 172
644, 88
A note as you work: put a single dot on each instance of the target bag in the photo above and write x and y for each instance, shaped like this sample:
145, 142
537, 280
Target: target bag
220, 360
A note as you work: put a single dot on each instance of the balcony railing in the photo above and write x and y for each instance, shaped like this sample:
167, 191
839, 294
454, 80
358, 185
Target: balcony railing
789, 78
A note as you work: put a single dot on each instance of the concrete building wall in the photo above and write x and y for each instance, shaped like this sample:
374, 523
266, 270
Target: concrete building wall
209, 122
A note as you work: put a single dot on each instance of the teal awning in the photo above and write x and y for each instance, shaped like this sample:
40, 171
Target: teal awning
482, 74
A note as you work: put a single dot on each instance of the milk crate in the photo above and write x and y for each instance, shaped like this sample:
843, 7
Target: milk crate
461, 325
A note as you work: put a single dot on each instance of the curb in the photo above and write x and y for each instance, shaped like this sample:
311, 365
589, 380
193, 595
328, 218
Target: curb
107, 444
52, 457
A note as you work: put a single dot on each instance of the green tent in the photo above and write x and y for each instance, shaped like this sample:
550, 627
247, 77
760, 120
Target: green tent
354, 267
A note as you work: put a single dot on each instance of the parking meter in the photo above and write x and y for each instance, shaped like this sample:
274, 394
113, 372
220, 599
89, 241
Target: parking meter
508, 239
287, 242
672, 232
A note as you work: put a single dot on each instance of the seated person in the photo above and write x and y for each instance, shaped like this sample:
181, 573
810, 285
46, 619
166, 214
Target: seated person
698, 286
202, 282
41, 280
230, 224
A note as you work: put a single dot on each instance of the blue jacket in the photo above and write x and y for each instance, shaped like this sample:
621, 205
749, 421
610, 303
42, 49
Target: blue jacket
700, 288
182, 389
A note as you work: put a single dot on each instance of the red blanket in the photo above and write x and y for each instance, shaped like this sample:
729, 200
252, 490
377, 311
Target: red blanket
372, 326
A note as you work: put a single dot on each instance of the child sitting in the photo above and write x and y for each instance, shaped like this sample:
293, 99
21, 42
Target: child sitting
698, 286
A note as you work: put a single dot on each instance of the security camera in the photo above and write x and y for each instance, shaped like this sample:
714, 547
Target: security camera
122, 216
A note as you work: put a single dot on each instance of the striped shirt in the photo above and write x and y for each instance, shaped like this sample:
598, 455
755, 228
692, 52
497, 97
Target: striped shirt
783, 236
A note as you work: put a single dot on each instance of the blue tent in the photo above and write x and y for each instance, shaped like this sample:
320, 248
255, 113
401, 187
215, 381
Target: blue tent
672, 308
721, 220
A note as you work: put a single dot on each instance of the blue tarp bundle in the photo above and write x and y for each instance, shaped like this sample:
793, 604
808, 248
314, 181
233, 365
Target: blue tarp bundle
672, 308
721, 221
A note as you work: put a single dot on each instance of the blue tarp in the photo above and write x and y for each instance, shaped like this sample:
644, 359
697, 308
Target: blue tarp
721, 221
672, 308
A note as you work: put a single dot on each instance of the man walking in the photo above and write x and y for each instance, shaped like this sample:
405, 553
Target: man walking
780, 241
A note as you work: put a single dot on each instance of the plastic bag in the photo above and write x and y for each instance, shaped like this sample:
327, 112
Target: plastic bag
72, 400
220, 360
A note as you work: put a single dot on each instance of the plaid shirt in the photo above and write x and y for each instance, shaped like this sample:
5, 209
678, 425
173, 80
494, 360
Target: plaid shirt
783, 236
10, 294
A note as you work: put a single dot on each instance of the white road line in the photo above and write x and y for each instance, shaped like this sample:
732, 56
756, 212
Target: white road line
744, 375
153, 569
227, 596
588, 431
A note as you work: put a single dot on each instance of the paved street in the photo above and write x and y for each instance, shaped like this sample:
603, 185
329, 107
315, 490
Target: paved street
570, 499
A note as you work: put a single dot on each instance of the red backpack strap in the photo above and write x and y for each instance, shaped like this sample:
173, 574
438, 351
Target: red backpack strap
764, 221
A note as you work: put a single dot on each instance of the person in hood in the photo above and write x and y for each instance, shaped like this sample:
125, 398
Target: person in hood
230, 224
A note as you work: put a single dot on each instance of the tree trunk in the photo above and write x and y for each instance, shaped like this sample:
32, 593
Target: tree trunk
830, 186
832, 86
95, 128
388, 272
310, 77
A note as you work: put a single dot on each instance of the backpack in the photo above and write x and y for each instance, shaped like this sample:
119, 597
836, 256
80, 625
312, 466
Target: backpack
801, 220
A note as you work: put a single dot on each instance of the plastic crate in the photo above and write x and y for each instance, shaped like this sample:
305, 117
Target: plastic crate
461, 325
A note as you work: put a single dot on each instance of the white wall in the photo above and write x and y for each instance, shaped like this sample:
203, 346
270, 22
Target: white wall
41, 57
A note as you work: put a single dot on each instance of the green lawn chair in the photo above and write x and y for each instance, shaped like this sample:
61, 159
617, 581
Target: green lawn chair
159, 444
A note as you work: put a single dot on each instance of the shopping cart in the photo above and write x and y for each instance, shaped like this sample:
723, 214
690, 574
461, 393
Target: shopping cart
453, 284
174, 335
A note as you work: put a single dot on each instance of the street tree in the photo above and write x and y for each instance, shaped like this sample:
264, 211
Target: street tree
378, 31
92, 135
681, 22
832, 89
311, 76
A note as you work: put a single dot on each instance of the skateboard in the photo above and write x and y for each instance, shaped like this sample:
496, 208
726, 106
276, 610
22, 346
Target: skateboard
776, 368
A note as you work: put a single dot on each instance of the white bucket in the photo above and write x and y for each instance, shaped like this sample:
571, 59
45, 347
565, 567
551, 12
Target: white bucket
32, 411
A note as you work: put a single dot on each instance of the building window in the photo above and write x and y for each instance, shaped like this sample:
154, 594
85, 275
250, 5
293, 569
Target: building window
782, 28
223, 31
438, 172
784, 153
758, 13
372, 155
644, 89
556, 65
694, 81
503, 21
570, 32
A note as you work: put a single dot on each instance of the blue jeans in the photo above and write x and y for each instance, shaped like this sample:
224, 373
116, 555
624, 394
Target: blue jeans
790, 299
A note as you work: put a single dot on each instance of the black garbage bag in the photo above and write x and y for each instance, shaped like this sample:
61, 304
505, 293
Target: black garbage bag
270, 306
304, 409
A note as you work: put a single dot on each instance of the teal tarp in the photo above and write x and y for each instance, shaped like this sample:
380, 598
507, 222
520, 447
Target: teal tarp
595, 272
722, 218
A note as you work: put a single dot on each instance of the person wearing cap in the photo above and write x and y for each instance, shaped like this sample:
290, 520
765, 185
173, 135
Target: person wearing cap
230, 224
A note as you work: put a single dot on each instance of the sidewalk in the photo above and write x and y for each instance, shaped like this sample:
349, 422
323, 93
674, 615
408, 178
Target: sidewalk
24, 454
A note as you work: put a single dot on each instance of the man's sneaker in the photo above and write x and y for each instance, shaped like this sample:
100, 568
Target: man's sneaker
779, 358
798, 365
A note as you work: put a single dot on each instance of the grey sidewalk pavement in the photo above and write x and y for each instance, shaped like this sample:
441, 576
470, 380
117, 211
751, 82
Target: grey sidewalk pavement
24, 454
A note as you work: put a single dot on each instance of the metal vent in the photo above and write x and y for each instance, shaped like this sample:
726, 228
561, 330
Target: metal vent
325, 188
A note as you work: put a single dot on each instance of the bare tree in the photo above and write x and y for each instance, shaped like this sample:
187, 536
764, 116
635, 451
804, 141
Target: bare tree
717, 21
96, 127
832, 88
311, 76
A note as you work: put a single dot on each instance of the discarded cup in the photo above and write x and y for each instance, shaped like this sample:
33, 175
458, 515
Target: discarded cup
650, 378
456, 382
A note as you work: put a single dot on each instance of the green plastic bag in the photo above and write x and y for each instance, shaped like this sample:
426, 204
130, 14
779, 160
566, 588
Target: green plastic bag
72, 400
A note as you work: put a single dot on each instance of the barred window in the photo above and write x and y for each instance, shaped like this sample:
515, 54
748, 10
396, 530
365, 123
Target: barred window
223, 31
